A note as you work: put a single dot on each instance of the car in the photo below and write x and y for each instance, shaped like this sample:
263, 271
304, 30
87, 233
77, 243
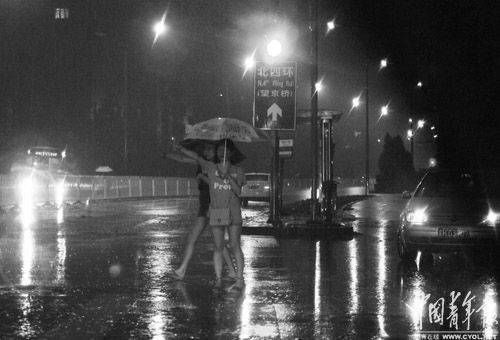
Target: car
256, 188
450, 210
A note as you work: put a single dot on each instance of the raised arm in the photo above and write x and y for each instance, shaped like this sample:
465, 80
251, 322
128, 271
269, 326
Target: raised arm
192, 154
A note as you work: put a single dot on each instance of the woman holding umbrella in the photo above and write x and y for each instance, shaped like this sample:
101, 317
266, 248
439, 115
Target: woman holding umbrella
208, 152
225, 182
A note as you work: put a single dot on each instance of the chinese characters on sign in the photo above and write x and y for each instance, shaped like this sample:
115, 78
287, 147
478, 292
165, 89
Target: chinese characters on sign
274, 96
456, 312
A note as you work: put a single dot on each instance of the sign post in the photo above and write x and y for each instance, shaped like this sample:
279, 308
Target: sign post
274, 109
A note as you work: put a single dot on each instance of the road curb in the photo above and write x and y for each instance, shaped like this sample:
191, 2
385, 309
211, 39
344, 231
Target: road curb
302, 230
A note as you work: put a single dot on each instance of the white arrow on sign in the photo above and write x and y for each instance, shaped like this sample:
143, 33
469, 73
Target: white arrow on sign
275, 111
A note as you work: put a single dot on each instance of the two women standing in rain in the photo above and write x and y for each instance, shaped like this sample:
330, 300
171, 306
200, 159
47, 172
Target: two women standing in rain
222, 209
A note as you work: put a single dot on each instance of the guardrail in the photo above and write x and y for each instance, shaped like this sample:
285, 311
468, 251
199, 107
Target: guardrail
72, 188
83, 188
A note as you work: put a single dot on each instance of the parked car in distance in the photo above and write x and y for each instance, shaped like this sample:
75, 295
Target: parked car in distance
257, 188
450, 210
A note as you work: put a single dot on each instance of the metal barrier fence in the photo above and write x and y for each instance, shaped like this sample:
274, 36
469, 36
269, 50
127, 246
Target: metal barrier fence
83, 188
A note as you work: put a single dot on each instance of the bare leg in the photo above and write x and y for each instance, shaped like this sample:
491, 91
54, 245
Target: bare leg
229, 262
189, 249
235, 241
218, 234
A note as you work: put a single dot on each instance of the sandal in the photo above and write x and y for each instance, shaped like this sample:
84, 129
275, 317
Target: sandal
239, 285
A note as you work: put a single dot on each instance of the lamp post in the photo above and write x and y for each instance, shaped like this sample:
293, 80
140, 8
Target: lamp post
159, 29
313, 12
383, 64
412, 133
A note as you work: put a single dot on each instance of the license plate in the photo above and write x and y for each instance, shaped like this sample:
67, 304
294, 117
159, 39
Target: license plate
453, 233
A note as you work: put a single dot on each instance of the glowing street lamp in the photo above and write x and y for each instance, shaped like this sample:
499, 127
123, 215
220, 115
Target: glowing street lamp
318, 86
330, 26
249, 63
420, 123
356, 102
160, 28
409, 134
433, 128
274, 48
420, 84
384, 110
383, 63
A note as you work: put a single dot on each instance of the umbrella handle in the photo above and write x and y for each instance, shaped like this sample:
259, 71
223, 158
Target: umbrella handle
225, 147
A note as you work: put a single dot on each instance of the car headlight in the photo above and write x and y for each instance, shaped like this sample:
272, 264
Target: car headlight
492, 218
26, 189
417, 216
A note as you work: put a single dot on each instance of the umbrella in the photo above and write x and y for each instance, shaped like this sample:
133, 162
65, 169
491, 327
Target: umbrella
224, 128
198, 145
227, 129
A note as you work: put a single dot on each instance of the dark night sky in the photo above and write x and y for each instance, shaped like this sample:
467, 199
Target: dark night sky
62, 83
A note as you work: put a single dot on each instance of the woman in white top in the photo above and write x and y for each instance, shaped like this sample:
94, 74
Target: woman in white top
225, 182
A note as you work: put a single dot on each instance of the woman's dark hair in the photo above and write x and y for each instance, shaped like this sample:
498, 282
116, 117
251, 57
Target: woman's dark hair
236, 155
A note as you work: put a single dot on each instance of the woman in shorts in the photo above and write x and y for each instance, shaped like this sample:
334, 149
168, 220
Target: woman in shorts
201, 220
225, 182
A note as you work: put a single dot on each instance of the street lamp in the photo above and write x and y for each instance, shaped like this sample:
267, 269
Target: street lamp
249, 63
420, 124
330, 26
274, 48
356, 101
384, 110
420, 84
160, 28
318, 86
383, 63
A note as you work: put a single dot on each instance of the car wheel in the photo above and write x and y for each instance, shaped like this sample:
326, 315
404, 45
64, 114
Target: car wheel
404, 253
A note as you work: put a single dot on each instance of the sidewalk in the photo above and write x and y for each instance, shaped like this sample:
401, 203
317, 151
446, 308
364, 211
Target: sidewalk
296, 220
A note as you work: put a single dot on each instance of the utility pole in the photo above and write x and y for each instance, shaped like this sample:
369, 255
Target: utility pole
367, 140
124, 112
313, 9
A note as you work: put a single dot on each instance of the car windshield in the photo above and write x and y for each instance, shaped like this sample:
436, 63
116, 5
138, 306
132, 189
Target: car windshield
457, 184
261, 177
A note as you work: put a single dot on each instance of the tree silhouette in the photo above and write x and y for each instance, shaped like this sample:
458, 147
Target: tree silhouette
396, 171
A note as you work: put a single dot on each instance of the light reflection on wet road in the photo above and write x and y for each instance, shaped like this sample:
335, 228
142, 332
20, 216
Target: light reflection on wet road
99, 272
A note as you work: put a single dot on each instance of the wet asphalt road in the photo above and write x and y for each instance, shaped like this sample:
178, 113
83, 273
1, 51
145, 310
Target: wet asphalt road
99, 272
